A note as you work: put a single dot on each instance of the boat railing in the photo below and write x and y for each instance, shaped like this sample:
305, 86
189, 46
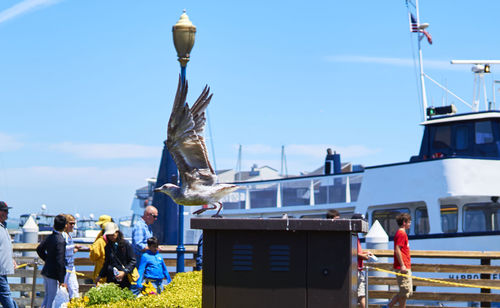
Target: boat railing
297, 191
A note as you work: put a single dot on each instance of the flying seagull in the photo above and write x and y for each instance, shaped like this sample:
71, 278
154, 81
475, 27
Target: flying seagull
187, 146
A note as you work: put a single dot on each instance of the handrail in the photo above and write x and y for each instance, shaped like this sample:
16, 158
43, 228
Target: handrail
441, 254
86, 247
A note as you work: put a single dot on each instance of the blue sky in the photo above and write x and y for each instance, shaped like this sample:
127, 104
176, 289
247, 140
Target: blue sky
86, 87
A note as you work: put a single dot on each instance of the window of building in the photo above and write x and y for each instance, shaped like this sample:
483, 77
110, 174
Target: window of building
449, 218
481, 217
421, 221
442, 137
462, 138
387, 218
484, 132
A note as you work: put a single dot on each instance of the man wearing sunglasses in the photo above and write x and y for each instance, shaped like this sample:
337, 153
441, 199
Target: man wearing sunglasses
7, 263
142, 231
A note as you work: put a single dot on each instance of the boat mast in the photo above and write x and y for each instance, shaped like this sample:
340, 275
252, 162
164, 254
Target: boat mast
420, 61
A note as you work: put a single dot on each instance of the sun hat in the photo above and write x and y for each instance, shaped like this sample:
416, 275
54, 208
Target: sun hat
110, 228
103, 219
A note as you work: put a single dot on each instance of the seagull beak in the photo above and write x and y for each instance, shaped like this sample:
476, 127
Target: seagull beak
157, 190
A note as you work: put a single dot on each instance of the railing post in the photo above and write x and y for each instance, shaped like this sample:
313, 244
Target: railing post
247, 199
485, 276
311, 193
278, 195
33, 286
347, 190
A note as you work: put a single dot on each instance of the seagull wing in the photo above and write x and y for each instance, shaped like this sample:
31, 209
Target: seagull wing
185, 141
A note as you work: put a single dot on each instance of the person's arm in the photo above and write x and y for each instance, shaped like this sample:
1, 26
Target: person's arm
40, 250
141, 269
139, 240
60, 259
130, 257
97, 250
165, 272
399, 256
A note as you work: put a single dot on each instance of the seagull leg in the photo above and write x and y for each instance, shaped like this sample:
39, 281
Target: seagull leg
220, 208
203, 209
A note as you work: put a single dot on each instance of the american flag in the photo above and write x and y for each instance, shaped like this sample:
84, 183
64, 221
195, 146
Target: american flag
414, 28
413, 24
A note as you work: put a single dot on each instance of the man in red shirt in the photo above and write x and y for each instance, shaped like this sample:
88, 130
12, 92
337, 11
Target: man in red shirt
402, 260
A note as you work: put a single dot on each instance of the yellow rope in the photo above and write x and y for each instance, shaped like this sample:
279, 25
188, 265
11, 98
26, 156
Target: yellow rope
465, 285
79, 274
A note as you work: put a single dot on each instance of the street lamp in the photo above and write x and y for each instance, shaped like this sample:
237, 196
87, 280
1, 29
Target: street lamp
183, 34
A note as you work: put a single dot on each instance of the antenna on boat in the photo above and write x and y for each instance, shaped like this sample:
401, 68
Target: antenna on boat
419, 28
479, 68
283, 162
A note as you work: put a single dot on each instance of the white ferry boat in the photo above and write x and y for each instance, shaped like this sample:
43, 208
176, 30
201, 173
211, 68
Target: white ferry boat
450, 188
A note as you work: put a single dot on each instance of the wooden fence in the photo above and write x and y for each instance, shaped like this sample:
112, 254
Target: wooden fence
482, 271
29, 273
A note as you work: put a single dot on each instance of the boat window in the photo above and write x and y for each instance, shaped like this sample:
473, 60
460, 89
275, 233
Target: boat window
421, 221
484, 132
449, 218
481, 217
462, 138
387, 218
442, 137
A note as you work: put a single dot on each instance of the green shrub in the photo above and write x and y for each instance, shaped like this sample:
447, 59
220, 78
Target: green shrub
108, 293
183, 292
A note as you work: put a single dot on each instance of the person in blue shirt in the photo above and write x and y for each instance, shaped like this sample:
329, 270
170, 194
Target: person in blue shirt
142, 231
152, 268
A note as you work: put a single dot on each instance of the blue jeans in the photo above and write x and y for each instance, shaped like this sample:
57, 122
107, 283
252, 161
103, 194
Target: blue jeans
5, 295
50, 292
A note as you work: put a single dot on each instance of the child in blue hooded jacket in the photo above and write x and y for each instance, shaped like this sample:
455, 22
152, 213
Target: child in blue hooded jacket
152, 268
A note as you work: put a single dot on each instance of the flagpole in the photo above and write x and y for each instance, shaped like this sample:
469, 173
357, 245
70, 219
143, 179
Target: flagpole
420, 60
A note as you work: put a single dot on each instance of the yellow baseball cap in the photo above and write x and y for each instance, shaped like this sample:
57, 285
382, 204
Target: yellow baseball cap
103, 219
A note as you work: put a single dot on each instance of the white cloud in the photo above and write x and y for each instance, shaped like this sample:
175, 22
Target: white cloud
8, 143
108, 151
406, 62
24, 7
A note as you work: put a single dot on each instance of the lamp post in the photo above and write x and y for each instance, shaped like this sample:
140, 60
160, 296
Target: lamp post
183, 34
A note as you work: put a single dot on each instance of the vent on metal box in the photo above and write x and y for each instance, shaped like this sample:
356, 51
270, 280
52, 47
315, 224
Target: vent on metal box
242, 257
279, 258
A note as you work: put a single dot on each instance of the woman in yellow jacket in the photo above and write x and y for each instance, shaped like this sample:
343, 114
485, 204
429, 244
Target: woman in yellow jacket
97, 254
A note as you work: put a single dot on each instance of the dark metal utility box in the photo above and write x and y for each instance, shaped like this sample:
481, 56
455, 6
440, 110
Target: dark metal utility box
270, 263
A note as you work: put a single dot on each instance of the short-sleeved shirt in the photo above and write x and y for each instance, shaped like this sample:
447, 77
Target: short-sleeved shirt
401, 240
360, 260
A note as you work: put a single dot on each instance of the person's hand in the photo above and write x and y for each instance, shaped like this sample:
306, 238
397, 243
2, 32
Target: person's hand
370, 253
15, 263
97, 281
404, 270
120, 276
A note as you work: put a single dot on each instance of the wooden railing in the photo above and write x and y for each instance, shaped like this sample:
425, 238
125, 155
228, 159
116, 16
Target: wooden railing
483, 269
31, 272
